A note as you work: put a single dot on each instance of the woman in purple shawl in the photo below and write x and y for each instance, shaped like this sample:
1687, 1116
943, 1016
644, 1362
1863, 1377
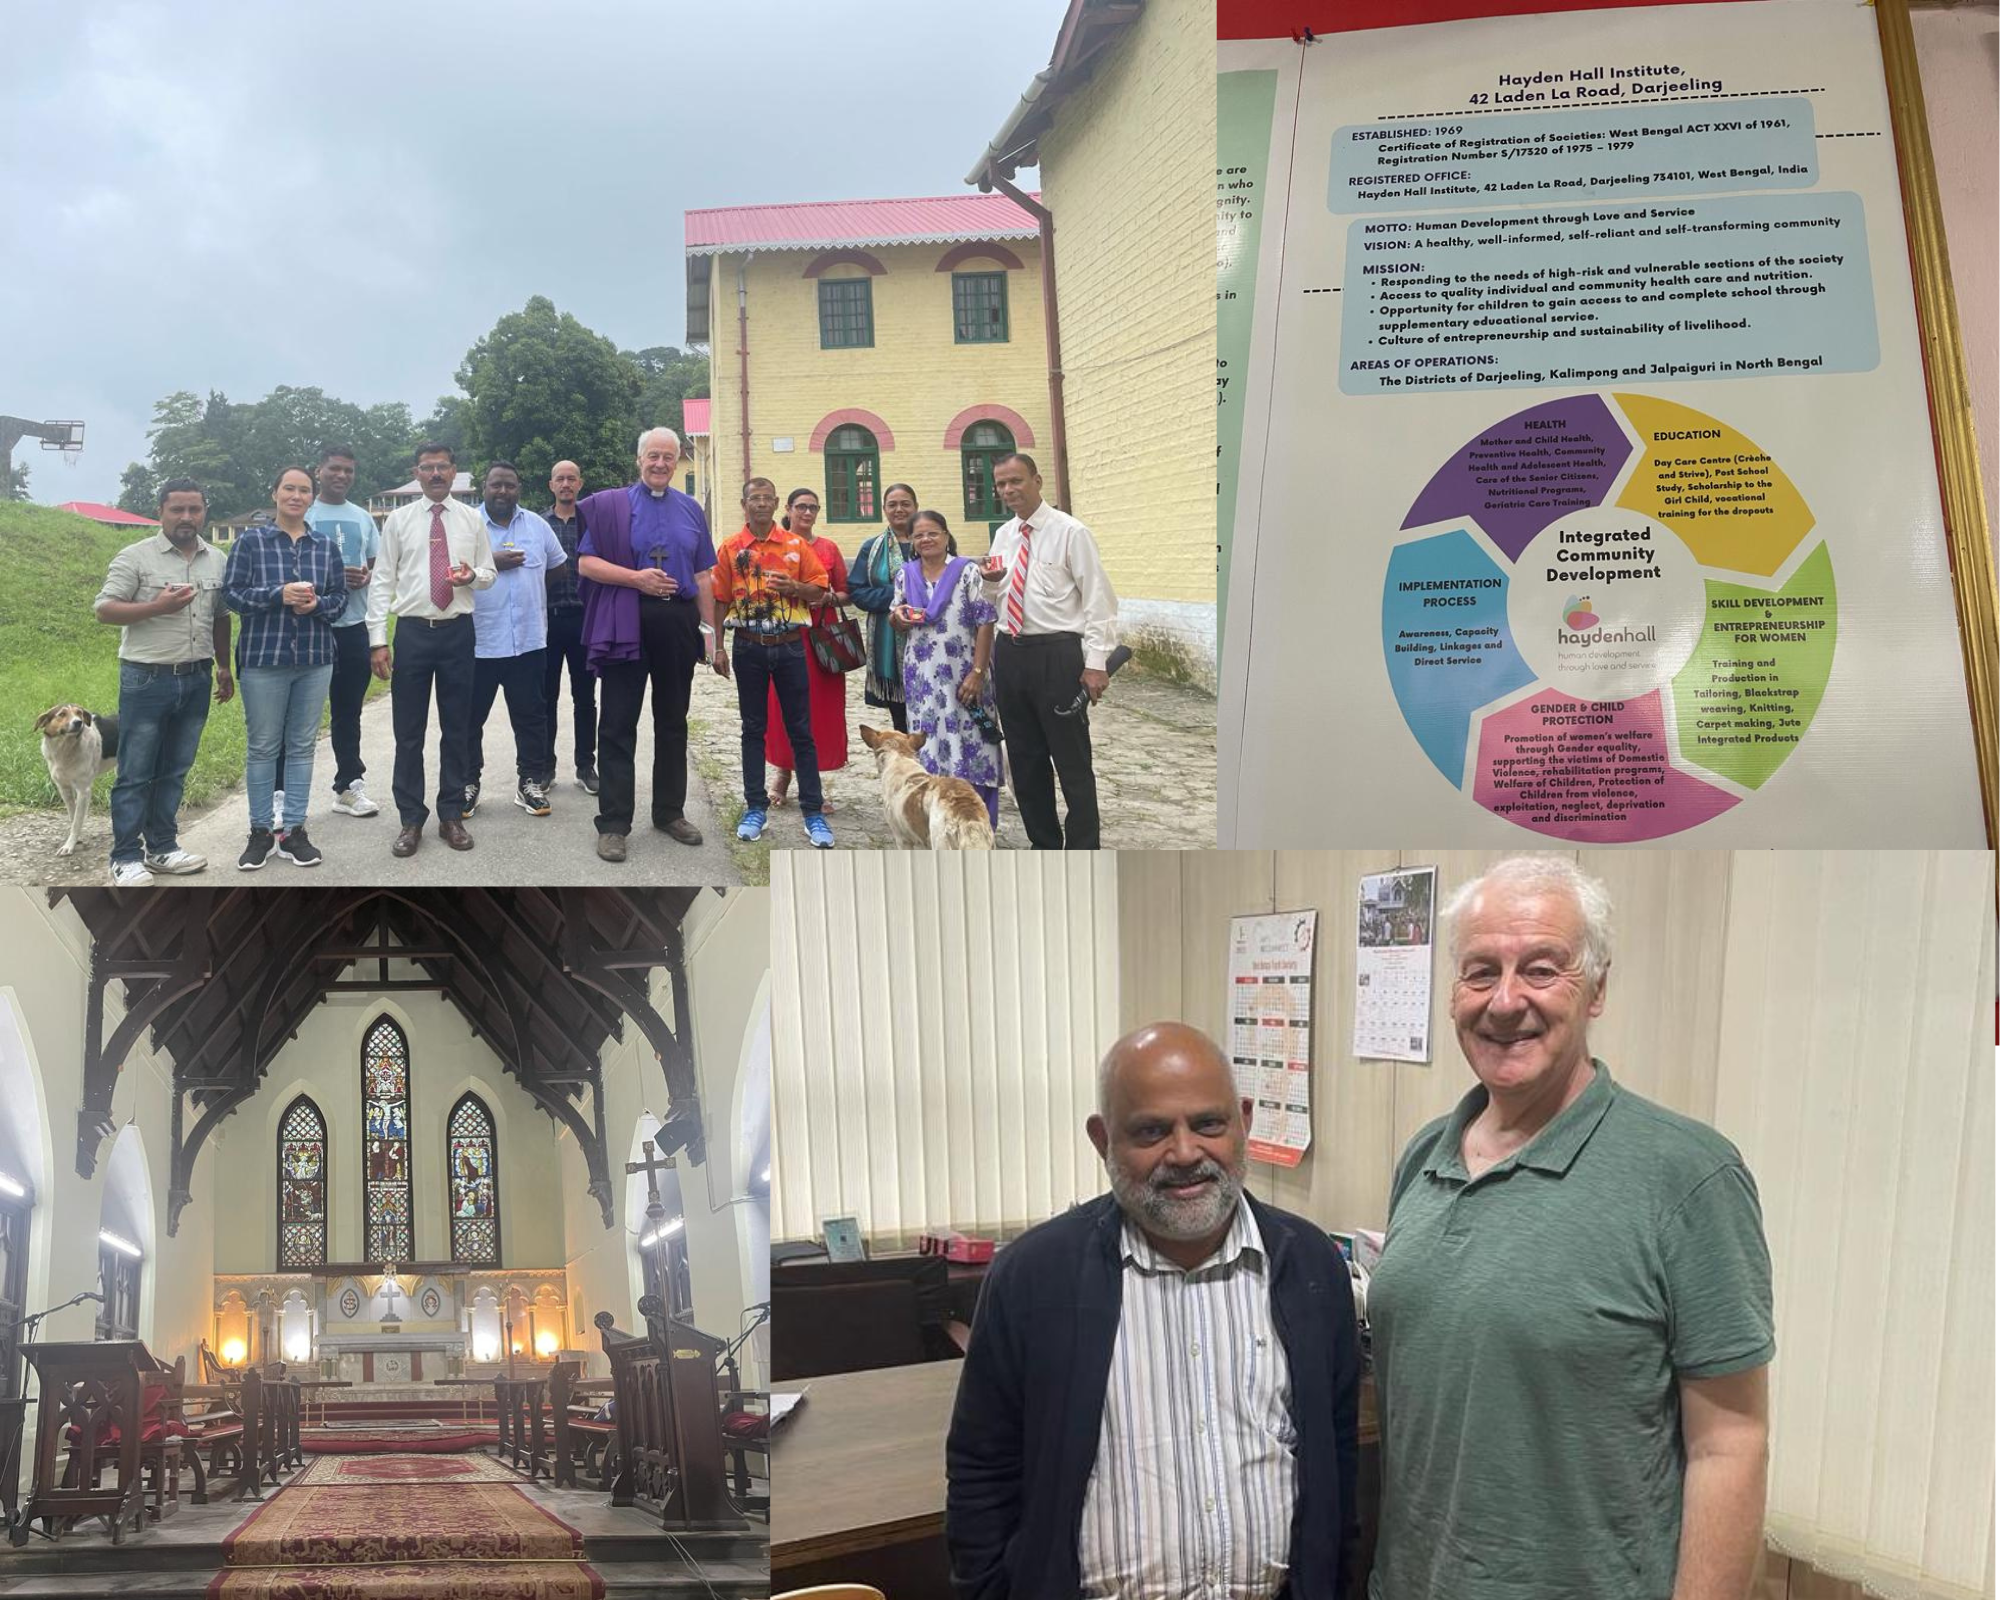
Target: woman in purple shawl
941, 605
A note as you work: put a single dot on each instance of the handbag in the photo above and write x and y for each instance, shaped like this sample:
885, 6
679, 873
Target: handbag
836, 640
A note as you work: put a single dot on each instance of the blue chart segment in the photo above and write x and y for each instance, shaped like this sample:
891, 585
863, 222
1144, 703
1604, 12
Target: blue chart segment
1446, 640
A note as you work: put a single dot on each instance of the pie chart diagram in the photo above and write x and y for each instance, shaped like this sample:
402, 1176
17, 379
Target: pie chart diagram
1609, 618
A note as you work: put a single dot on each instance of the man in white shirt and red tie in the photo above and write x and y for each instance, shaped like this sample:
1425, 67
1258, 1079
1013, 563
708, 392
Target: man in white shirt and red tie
435, 552
1058, 626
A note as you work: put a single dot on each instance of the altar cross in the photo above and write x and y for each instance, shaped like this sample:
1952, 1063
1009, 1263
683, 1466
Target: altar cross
652, 1168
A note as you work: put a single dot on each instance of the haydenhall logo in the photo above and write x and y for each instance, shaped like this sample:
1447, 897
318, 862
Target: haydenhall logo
1577, 613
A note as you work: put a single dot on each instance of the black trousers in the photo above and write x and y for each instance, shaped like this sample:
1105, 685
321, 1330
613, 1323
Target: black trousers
1032, 675
566, 648
345, 695
669, 651
432, 657
521, 677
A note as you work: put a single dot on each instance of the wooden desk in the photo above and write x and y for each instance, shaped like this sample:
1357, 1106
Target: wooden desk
860, 1464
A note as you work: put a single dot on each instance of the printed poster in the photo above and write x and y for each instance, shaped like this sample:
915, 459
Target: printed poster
1601, 324
1392, 966
1270, 1029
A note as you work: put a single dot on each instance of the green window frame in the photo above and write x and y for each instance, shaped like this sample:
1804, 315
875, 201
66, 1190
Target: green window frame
853, 475
979, 307
846, 313
980, 448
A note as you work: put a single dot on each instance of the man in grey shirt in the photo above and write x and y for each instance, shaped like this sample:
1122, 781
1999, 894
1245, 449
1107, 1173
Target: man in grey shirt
163, 592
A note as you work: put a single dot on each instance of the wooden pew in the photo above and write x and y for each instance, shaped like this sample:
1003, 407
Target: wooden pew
670, 1455
525, 1441
581, 1441
214, 1424
93, 1396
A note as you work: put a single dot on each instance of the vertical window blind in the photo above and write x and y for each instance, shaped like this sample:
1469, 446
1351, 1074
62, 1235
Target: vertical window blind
1855, 1075
936, 1020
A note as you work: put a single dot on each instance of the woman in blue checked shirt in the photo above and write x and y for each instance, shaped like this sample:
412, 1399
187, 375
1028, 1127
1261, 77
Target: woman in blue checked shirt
288, 584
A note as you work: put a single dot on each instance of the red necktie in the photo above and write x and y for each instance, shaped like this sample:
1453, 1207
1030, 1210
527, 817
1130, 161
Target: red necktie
1017, 586
440, 560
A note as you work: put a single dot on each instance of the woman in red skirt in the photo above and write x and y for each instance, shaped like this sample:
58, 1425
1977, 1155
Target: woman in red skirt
827, 691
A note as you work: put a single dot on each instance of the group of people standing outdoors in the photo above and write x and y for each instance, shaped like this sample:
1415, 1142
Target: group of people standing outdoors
623, 589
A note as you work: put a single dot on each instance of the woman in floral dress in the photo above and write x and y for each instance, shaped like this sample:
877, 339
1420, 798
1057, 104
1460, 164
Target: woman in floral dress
947, 624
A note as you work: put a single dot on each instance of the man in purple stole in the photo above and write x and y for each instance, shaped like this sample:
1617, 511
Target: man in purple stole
645, 563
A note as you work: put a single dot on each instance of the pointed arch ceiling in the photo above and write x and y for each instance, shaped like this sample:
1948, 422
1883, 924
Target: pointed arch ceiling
224, 978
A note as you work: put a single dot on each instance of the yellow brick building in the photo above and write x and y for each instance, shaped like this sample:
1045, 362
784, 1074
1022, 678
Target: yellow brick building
1122, 126
856, 344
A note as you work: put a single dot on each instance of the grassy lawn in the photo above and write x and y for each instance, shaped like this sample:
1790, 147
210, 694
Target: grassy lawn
53, 649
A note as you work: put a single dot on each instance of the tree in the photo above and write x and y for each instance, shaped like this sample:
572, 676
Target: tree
669, 376
139, 491
542, 387
17, 482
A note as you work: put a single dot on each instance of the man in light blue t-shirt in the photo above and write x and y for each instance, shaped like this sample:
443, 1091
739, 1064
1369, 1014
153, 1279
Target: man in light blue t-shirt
332, 514
511, 634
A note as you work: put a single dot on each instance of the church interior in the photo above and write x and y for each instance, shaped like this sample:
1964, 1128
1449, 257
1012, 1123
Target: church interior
382, 1243
937, 1027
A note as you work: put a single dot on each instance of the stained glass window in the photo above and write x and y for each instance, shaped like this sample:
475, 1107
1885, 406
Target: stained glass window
475, 1181
385, 1108
302, 1186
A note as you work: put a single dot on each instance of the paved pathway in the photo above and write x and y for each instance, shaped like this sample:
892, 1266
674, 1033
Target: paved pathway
1153, 742
509, 846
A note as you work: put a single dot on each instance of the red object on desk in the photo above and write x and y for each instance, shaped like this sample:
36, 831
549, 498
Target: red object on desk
968, 1252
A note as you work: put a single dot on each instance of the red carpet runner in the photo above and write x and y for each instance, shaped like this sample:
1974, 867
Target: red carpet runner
390, 1441
427, 1541
331, 1472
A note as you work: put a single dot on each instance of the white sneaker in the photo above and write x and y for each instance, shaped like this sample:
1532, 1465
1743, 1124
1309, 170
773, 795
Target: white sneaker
353, 802
130, 875
177, 862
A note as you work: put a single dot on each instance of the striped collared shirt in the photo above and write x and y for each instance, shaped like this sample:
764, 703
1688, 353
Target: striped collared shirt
1192, 1492
261, 562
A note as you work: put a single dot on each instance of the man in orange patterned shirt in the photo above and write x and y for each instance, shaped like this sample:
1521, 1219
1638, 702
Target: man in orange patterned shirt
767, 580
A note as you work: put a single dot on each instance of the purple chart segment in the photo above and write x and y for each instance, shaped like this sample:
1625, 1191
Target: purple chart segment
1521, 474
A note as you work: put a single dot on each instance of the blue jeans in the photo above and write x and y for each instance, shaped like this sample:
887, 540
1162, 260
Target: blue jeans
281, 708
759, 669
160, 718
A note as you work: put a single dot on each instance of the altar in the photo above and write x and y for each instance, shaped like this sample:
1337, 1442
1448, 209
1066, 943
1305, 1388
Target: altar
395, 1324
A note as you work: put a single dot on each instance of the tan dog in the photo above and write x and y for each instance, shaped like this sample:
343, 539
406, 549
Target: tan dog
77, 745
925, 811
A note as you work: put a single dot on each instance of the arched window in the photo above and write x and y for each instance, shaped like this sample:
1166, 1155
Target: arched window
387, 1228
475, 1183
853, 469
979, 449
301, 1186
16, 1209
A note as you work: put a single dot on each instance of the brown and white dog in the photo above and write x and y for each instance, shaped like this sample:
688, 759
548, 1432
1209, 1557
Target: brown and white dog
925, 811
77, 745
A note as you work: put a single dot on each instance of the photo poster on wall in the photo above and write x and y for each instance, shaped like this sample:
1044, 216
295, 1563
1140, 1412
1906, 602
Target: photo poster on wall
1270, 1029
1587, 461
1393, 943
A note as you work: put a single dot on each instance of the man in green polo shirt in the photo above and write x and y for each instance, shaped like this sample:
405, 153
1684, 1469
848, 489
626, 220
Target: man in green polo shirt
1572, 1314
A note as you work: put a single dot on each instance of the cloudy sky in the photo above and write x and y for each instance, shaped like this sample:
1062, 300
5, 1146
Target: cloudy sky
211, 195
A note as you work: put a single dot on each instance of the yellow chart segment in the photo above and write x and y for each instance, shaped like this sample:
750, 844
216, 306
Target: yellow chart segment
1729, 501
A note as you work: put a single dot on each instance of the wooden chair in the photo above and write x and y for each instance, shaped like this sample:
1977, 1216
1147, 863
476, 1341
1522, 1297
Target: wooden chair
525, 1442
215, 1424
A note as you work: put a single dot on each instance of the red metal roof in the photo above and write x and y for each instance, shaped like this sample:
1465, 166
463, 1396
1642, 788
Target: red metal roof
820, 224
694, 416
108, 514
